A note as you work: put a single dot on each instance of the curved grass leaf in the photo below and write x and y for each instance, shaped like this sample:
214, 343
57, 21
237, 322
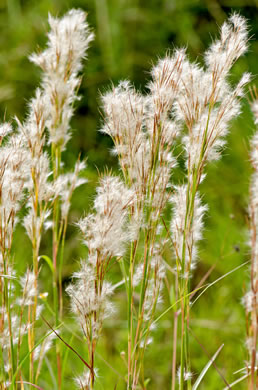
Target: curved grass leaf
48, 261
210, 362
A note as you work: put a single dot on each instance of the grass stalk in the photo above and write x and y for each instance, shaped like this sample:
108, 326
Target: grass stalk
56, 164
174, 351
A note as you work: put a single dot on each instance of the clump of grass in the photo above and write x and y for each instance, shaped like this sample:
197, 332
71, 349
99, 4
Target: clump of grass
185, 103
29, 167
251, 297
144, 129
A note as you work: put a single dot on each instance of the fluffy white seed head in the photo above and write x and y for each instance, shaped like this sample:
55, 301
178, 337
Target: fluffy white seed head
183, 235
5, 129
61, 61
29, 286
111, 209
164, 86
14, 174
187, 375
90, 305
65, 185
83, 381
250, 299
231, 45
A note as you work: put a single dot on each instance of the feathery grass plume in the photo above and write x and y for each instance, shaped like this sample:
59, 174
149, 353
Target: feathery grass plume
144, 128
206, 103
183, 99
61, 62
90, 295
65, 186
251, 297
144, 133
13, 176
178, 228
124, 109
51, 110
40, 192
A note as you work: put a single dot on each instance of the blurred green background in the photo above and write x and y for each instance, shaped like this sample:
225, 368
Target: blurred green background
130, 36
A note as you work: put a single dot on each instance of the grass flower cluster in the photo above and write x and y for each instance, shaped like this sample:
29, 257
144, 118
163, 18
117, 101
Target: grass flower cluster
144, 222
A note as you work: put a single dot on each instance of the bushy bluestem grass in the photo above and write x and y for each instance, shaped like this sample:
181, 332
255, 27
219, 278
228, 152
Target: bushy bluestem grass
185, 103
250, 299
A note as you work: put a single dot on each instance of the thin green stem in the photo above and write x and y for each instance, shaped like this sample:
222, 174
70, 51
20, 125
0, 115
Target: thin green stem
61, 261
56, 164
